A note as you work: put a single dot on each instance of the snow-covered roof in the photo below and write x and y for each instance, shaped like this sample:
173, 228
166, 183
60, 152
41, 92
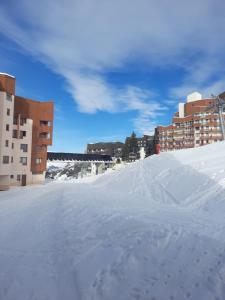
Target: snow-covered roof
7, 75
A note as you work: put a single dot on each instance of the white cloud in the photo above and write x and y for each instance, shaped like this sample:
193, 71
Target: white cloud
82, 39
204, 76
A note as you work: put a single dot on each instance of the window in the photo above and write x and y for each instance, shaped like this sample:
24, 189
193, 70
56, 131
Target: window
15, 132
18, 178
5, 160
45, 123
11, 176
24, 147
12, 145
38, 161
8, 97
7, 143
8, 112
7, 127
11, 159
23, 161
23, 121
15, 120
22, 134
45, 135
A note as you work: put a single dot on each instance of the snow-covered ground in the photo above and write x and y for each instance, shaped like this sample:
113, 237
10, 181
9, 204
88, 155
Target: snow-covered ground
153, 230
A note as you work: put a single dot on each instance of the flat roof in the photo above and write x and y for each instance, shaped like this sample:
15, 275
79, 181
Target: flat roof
77, 157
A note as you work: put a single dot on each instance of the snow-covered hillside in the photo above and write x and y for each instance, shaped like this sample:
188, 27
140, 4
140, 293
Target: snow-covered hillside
153, 230
66, 170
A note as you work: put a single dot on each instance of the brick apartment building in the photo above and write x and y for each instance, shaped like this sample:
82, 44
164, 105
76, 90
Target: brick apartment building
192, 126
25, 133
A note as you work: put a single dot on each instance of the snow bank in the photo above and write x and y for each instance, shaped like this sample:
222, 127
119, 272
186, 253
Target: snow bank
152, 230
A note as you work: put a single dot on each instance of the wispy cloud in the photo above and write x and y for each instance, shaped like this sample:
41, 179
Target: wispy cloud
81, 40
205, 75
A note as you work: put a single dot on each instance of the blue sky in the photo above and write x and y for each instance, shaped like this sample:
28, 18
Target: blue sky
112, 66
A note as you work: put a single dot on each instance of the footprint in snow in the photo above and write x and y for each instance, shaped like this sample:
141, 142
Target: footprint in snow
210, 270
188, 294
218, 263
196, 284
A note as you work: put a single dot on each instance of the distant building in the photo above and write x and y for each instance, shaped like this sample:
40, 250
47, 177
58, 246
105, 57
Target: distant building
25, 133
136, 148
114, 149
147, 142
193, 125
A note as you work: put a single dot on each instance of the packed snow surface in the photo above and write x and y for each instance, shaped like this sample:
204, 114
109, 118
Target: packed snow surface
153, 230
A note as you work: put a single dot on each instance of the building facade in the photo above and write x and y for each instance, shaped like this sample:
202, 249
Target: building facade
146, 143
25, 132
195, 124
113, 149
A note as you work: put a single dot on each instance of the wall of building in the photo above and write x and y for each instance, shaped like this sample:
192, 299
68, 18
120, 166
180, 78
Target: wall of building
194, 97
17, 167
6, 107
7, 83
4, 182
42, 133
5, 135
38, 178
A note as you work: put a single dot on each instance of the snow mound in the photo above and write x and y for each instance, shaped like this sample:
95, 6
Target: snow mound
153, 230
192, 177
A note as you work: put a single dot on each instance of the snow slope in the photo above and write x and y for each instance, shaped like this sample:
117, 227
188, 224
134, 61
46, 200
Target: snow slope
153, 230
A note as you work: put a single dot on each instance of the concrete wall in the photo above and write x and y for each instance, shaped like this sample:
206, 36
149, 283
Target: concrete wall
5, 136
194, 97
181, 110
17, 168
38, 178
4, 182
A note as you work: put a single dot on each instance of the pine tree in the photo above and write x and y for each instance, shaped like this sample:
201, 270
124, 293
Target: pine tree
131, 148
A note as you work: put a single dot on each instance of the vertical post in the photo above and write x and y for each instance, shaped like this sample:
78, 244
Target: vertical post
220, 107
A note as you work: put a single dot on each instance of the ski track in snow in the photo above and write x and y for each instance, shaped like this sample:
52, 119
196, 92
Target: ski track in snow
153, 230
